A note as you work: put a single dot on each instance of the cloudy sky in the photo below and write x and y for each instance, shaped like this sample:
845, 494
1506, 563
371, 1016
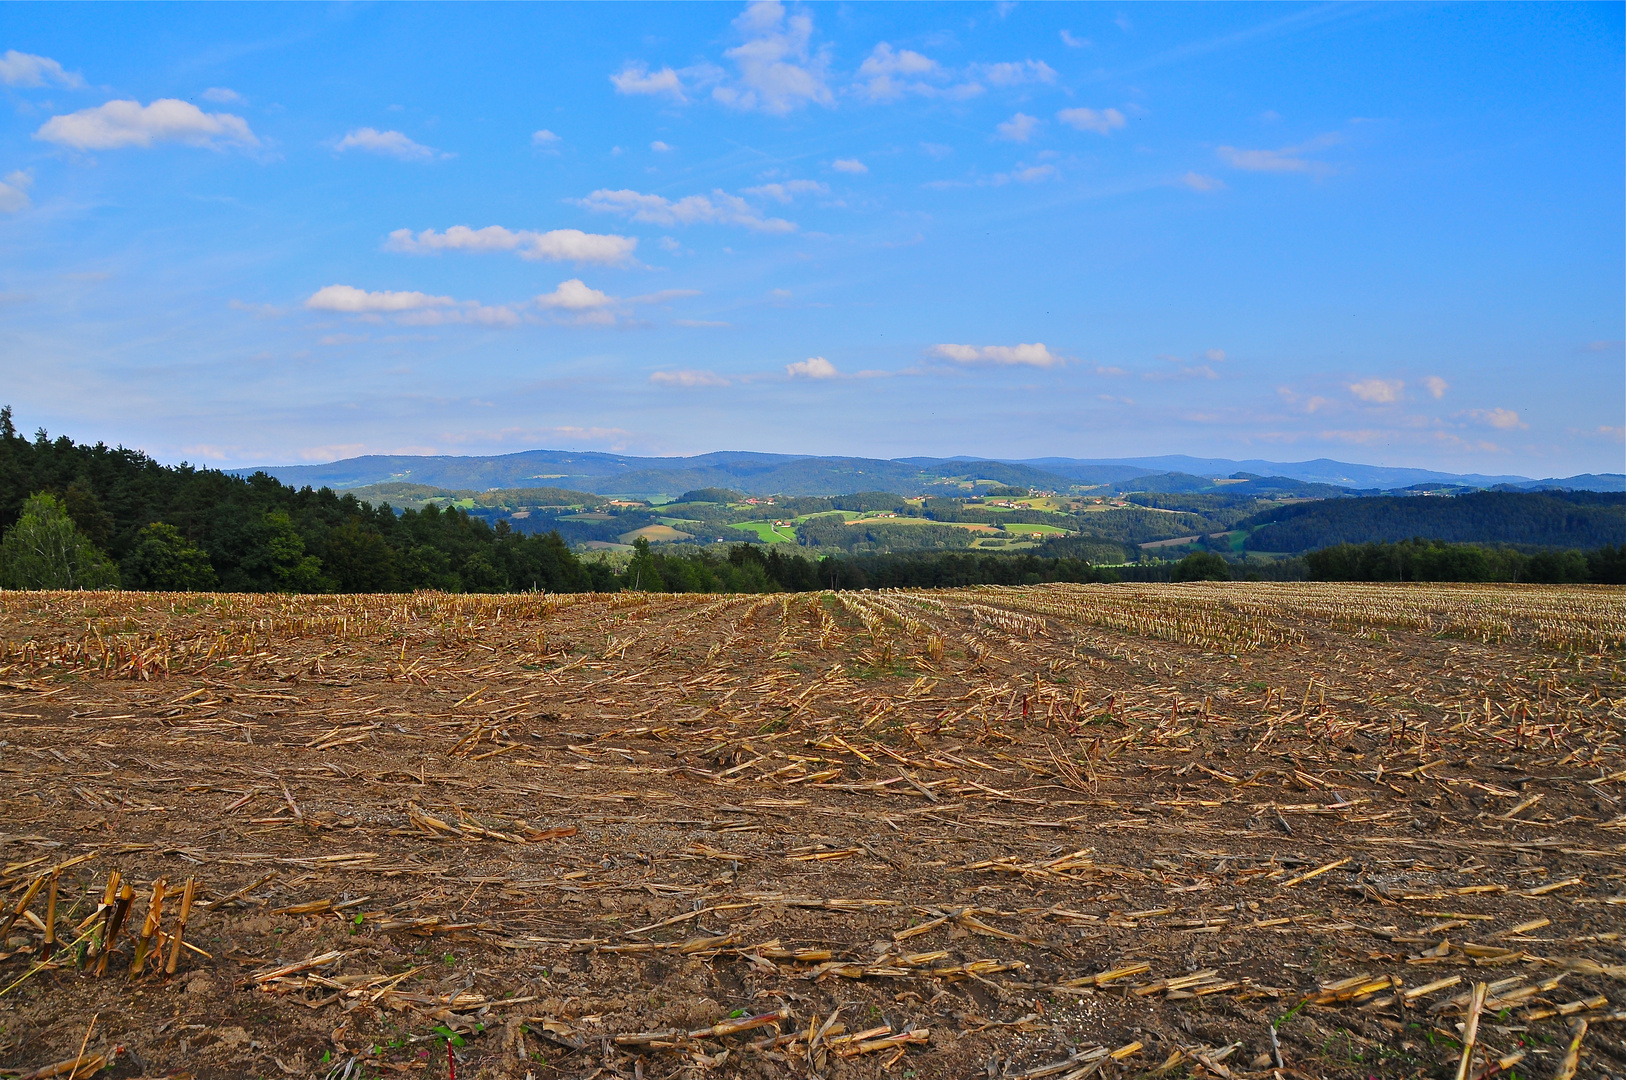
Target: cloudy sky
239, 234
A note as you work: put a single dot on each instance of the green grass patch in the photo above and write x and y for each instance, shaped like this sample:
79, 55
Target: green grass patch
1030, 529
768, 532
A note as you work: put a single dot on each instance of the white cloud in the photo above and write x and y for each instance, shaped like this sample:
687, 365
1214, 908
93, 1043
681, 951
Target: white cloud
1501, 419
350, 300
1216, 356
778, 72
887, 74
1377, 391
1026, 174
636, 78
687, 378
1199, 182
1035, 355
1016, 73
559, 245
1436, 386
544, 139
849, 165
719, 208
14, 192
814, 367
220, 95
1072, 42
701, 323
1100, 121
1289, 159
26, 69
389, 143
575, 295
661, 148
129, 123
784, 193
588, 306
1019, 128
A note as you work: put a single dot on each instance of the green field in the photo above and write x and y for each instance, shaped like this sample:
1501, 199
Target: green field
1033, 530
844, 515
784, 534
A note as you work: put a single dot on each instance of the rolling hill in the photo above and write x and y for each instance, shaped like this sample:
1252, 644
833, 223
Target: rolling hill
791, 474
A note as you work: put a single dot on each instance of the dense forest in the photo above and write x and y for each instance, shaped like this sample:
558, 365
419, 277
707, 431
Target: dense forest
1556, 519
258, 535
1428, 560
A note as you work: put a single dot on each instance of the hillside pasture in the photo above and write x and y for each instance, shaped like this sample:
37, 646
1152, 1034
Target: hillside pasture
767, 531
655, 534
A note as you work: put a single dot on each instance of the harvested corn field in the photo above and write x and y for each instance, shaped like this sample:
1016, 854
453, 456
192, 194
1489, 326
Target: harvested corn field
1060, 831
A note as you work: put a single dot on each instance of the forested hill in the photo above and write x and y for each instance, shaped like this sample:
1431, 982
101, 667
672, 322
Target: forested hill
184, 528
1557, 519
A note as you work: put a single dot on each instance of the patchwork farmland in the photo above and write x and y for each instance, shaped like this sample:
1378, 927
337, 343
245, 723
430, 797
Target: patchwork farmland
1059, 831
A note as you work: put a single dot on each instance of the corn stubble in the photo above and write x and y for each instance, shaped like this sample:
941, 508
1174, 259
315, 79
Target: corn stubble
1057, 831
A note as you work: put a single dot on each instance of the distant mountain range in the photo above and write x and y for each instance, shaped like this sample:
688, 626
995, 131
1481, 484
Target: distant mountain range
793, 474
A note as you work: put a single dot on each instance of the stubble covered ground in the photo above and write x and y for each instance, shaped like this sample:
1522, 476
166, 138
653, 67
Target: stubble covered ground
1060, 831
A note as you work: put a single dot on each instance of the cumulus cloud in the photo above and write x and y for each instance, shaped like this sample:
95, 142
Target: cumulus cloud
1436, 387
575, 295
349, 300
1072, 42
1216, 356
778, 70
1199, 182
26, 69
719, 208
1501, 419
559, 245
687, 378
544, 139
636, 78
887, 74
1019, 128
814, 367
1100, 121
1377, 391
1035, 355
14, 192
1016, 74
389, 143
661, 148
129, 123
785, 192
849, 165
221, 95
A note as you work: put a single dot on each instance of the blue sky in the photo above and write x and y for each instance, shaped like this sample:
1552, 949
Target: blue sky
242, 234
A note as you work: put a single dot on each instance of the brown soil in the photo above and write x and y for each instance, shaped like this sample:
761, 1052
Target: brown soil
1063, 831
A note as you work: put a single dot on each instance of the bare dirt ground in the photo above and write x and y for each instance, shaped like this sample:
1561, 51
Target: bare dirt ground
1063, 831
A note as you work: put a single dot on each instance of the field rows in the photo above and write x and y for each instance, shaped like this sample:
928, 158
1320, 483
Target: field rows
1053, 831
